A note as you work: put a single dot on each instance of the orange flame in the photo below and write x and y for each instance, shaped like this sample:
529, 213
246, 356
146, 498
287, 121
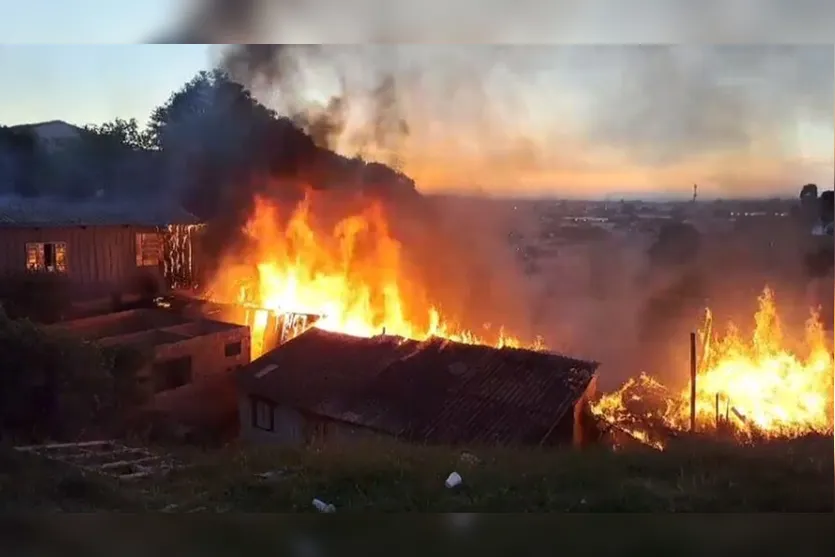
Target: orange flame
353, 276
758, 387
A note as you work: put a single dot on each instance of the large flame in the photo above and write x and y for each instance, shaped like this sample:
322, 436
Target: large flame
353, 276
750, 387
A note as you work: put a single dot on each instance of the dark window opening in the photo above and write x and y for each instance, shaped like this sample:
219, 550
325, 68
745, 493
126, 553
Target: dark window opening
233, 349
263, 414
172, 374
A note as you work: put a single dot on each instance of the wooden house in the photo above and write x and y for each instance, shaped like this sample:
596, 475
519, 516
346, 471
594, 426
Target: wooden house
99, 248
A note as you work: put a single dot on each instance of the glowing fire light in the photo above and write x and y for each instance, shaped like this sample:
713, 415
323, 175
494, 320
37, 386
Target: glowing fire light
353, 276
755, 387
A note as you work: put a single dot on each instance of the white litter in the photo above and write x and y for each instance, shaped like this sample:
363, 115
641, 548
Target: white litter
323, 507
453, 480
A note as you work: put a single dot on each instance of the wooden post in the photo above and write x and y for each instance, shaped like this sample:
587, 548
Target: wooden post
692, 382
717, 412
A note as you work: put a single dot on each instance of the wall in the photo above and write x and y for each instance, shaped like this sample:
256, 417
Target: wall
207, 352
168, 336
100, 259
288, 425
294, 428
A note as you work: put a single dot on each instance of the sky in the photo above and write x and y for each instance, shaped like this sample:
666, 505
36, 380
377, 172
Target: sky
528, 120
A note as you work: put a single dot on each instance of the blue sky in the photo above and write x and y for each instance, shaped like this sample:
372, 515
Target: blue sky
89, 21
57, 78
91, 83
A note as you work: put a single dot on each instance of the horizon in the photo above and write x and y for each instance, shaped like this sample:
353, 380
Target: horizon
550, 132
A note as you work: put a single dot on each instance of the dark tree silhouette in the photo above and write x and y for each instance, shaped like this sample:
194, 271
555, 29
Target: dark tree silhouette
18, 162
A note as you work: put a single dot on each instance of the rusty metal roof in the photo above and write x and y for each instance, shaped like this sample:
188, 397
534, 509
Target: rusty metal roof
41, 212
434, 391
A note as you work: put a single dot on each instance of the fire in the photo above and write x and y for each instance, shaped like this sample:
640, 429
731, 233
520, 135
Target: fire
353, 276
755, 387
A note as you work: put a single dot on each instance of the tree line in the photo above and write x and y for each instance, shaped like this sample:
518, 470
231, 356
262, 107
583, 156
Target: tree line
207, 135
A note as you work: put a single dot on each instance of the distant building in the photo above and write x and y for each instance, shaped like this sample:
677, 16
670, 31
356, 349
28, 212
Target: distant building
328, 387
51, 135
100, 247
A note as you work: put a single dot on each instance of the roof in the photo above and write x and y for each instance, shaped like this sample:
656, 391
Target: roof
318, 367
434, 391
42, 211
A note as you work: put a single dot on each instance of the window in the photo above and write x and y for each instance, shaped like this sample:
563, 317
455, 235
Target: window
232, 349
50, 257
171, 374
148, 249
263, 416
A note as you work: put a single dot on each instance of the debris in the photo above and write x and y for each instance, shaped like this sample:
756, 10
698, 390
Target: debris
323, 507
109, 458
272, 474
453, 480
469, 458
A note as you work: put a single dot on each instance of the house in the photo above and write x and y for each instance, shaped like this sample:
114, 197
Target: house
324, 386
189, 379
101, 247
183, 350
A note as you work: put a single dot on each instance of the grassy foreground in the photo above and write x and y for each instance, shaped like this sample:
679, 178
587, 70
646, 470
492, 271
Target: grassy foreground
691, 476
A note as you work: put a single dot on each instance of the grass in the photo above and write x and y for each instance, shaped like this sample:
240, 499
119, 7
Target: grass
695, 475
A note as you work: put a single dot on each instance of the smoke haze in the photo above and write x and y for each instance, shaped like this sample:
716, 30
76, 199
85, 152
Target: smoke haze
573, 121
528, 120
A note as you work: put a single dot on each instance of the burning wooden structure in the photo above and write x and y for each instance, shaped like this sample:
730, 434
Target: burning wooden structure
329, 386
268, 328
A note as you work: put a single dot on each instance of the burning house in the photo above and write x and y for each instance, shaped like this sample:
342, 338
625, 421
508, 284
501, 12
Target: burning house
268, 328
324, 386
98, 248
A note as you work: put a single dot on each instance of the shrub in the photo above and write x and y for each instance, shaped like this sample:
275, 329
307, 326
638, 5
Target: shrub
41, 297
54, 385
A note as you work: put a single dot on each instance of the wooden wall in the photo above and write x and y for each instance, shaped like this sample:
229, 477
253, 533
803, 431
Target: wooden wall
100, 259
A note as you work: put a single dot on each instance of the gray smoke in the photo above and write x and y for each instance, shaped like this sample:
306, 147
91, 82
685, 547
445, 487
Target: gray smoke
460, 112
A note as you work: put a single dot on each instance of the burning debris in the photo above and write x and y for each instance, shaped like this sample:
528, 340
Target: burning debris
749, 388
178, 263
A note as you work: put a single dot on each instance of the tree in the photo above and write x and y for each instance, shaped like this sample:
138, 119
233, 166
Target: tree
210, 111
18, 161
121, 135
55, 386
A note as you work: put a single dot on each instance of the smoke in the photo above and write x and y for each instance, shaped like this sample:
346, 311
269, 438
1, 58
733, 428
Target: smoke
571, 120
566, 120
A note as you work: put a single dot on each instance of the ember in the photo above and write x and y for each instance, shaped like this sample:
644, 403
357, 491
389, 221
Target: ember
755, 387
353, 277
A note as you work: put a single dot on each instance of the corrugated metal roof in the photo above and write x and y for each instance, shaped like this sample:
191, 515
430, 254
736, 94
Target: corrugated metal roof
41, 212
318, 367
435, 391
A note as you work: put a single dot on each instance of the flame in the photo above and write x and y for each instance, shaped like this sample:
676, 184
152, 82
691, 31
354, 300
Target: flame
352, 276
754, 387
